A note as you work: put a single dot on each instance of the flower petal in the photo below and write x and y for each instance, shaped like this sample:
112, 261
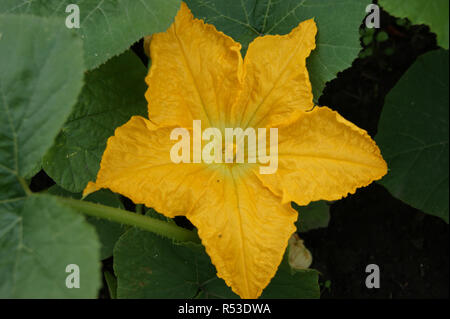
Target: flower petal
321, 155
244, 228
137, 164
90, 188
195, 73
276, 79
242, 224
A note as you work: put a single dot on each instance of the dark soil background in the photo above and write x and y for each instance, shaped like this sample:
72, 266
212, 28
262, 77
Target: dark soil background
370, 227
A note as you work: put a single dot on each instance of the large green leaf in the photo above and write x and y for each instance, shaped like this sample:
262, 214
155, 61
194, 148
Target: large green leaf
338, 27
413, 135
148, 266
112, 94
41, 76
108, 232
107, 27
39, 237
433, 13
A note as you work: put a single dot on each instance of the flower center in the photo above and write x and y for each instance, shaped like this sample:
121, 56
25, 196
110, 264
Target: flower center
229, 152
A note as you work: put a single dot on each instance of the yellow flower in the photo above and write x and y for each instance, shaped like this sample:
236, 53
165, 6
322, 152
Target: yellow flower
243, 217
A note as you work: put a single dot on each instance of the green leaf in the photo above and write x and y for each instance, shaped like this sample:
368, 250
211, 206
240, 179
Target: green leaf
289, 284
108, 232
148, 266
337, 21
433, 13
39, 237
111, 281
41, 76
315, 215
382, 36
112, 94
107, 28
10, 187
413, 135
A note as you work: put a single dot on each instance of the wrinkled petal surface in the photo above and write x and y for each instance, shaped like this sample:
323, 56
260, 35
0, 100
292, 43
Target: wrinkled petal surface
244, 228
137, 164
276, 79
195, 73
322, 156
242, 224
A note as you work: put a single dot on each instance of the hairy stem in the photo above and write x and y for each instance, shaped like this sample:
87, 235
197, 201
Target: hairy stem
169, 230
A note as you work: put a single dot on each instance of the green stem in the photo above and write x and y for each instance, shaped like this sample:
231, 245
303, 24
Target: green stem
156, 226
139, 209
24, 185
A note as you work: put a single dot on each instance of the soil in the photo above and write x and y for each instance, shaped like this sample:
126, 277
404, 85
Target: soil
372, 227
410, 247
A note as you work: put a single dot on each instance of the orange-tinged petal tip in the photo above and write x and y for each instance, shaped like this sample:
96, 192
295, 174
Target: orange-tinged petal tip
90, 188
147, 41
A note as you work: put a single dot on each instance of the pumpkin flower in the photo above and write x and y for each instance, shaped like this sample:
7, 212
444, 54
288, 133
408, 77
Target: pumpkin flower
244, 218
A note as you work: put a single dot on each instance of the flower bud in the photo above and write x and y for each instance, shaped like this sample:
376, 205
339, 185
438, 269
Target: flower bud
299, 256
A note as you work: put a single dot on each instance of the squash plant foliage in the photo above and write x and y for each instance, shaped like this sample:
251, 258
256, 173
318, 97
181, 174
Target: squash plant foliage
79, 104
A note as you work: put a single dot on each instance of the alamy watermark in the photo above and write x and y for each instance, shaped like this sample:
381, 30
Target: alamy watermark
73, 279
231, 150
73, 19
373, 279
373, 18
